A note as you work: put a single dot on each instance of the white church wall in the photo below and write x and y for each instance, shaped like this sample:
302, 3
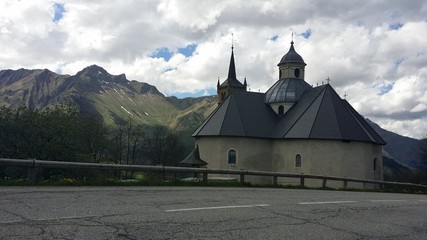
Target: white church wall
252, 154
320, 157
327, 157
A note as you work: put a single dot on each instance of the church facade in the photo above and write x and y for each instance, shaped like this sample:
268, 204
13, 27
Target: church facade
292, 128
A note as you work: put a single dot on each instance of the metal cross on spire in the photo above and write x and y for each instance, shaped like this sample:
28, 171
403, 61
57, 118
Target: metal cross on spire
328, 80
232, 41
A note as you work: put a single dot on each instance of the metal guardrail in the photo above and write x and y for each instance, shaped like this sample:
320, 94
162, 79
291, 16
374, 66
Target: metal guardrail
33, 164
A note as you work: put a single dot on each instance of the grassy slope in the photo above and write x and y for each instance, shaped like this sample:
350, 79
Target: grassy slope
112, 97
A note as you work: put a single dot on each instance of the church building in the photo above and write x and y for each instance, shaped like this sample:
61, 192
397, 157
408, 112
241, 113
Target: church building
292, 128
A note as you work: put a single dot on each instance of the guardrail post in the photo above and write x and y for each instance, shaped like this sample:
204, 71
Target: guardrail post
103, 175
301, 181
205, 177
242, 178
31, 173
324, 183
345, 184
275, 180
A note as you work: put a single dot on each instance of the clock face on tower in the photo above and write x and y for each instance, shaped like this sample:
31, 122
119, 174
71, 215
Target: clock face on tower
297, 72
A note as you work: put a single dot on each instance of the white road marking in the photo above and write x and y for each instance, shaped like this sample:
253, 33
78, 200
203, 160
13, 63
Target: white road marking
330, 202
266, 205
388, 200
218, 207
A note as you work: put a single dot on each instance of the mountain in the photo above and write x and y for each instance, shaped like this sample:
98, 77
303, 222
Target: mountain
393, 169
112, 97
403, 149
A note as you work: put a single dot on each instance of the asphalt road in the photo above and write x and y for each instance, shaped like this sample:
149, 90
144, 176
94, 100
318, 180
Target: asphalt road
207, 213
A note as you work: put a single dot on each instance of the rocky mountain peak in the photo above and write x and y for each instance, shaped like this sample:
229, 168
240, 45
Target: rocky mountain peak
149, 89
95, 72
10, 76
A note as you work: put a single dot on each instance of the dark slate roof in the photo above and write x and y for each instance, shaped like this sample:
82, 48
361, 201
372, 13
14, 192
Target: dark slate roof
286, 90
232, 79
232, 82
319, 114
291, 56
193, 159
241, 114
322, 114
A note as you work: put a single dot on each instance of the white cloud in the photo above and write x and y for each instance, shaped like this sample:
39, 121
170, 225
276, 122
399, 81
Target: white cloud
372, 50
192, 14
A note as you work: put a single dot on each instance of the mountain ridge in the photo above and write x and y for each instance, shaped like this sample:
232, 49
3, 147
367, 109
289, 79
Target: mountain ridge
94, 90
403, 149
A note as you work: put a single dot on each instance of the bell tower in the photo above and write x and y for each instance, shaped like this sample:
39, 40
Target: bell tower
231, 84
291, 84
292, 65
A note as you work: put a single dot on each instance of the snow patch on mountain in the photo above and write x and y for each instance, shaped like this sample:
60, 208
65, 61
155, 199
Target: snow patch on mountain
127, 111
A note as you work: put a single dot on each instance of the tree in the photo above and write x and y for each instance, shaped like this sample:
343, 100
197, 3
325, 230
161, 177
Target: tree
93, 133
8, 146
59, 135
117, 146
158, 137
136, 143
166, 148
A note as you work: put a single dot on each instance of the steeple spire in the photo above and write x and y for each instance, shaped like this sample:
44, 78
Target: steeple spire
231, 84
232, 68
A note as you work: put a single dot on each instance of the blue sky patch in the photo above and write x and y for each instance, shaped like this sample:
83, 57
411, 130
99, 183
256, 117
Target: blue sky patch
170, 69
395, 26
274, 38
397, 62
167, 54
58, 12
188, 50
386, 88
360, 23
201, 93
306, 34
164, 53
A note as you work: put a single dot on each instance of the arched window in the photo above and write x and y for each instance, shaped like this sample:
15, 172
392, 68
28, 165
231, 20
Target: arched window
281, 110
298, 160
297, 72
375, 163
232, 156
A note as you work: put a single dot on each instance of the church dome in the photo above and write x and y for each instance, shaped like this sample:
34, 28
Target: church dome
291, 56
286, 90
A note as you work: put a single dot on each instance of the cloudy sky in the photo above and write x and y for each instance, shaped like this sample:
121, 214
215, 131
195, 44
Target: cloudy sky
375, 52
